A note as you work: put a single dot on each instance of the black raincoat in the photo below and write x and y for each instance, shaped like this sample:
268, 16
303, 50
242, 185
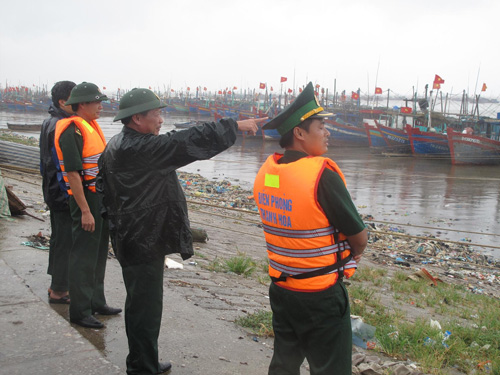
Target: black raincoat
53, 193
142, 197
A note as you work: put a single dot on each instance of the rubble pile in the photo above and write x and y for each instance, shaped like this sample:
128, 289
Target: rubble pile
455, 261
374, 365
223, 193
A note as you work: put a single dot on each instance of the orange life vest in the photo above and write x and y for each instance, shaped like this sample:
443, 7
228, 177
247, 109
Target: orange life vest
302, 245
93, 145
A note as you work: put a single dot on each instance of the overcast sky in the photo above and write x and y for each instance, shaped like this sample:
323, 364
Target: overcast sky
394, 44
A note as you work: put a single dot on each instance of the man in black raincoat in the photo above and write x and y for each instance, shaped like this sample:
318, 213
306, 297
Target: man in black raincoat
147, 210
55, 196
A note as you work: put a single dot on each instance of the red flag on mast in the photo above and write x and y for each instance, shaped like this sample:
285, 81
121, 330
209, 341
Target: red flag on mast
354, 95
436, 86
262, 86
378, 90
283, 79
438, 79
484, 87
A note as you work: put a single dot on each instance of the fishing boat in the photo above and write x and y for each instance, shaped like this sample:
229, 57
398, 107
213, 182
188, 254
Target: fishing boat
25, 127
474, 149
387, 140
180, 107
428, 143
344, 134
396, 139
376, 142
204, 111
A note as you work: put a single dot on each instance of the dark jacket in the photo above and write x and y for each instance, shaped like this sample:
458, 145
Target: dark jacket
142, 197
53, 194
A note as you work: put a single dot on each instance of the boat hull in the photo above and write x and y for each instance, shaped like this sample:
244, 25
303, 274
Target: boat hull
25, 127
473, 149
347, 135
428, 144
396, 140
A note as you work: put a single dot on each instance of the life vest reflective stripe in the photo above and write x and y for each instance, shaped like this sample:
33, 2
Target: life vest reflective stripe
299, 233
305, 251
93, 146
298, 271
92, 159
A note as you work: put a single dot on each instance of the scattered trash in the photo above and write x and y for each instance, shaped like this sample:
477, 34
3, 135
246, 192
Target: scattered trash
435, 324
38, 241
35, 245
424, 274
363, 335
199, 235
169, 263
446, 335
429, 342
393, 335
486, 365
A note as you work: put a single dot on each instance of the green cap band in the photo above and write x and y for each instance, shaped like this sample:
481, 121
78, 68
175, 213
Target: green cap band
296, 117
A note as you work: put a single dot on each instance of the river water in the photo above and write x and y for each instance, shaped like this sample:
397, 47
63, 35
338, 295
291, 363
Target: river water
402, 190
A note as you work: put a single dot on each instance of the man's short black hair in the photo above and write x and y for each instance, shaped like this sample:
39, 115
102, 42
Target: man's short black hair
61, 90
125, 121
286, 139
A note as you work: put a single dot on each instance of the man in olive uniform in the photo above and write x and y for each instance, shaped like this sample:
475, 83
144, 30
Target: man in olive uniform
55, 195
147, 210
79, 143
314, 238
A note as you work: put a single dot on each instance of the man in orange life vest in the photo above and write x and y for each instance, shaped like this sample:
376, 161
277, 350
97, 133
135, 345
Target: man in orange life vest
314, 238
79, 142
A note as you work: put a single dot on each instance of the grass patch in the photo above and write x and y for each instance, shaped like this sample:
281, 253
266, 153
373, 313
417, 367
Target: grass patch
264, 265
264, 279
369, 274
472, 320
215, 266
240, 264
259, 323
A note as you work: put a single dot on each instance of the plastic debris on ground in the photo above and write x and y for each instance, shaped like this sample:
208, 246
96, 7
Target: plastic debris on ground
363, 335
460, 262
38, 241
172, 264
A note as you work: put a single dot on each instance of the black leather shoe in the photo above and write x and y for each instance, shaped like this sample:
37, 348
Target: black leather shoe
163, 367
88, 322
107, 310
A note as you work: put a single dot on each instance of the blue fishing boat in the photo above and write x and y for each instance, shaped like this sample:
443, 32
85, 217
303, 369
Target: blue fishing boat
376, 142
428, 143
204, 111
344, 134
397, 140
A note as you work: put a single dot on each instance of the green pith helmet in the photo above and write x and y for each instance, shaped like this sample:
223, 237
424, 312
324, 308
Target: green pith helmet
85, 92
305, 106
136, 101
